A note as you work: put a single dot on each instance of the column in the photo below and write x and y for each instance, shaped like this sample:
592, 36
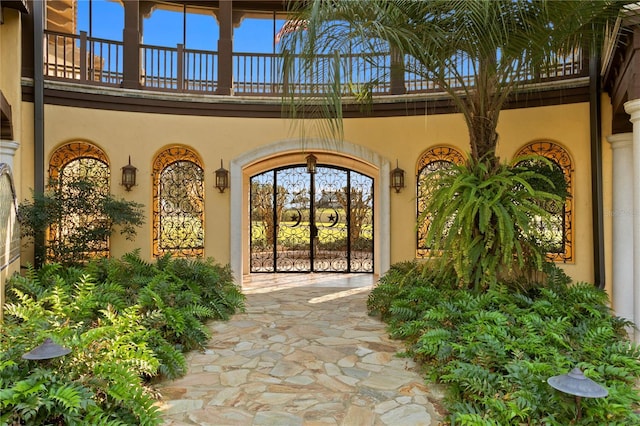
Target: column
10, 246
225, 48
622, 220
397, 72
633, 109
131, 41
7, 152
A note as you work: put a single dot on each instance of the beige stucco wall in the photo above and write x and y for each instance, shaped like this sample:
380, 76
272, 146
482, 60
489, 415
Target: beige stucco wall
143, 135
568, 126
10, 68
10, 59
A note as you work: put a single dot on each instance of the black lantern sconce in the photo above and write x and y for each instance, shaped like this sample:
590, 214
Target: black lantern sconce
222, 178
47, 350
129, 176
312, 162
575, 383
397, 178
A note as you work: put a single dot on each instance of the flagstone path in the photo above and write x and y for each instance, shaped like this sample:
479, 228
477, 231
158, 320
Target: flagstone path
305, 352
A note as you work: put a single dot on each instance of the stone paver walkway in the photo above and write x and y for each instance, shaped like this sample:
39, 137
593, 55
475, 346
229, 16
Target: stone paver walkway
302, 354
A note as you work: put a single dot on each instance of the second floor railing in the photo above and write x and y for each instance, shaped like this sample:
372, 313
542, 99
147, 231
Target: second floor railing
78, 57
177, 69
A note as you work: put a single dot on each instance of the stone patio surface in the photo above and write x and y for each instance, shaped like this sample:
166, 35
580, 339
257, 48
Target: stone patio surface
305, 352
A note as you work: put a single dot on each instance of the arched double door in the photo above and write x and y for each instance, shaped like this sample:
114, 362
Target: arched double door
311, 222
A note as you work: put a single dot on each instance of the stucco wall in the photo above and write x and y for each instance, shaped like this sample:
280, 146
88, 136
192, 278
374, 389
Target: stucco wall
10, 59
10, 66
143, 135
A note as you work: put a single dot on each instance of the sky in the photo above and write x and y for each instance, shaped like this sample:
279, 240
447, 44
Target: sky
165, 28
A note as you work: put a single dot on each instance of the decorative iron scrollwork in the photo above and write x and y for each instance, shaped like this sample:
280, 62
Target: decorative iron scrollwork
178, 203
69, 164
558, 232
302, 222
434, 159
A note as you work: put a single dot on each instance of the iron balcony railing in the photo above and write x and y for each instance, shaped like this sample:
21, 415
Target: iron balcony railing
177, 69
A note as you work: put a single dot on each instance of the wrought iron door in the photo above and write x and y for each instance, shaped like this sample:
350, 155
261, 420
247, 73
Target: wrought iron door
303, 222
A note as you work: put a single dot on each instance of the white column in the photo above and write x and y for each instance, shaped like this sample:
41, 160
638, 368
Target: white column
622, 220
633, 109
7, 152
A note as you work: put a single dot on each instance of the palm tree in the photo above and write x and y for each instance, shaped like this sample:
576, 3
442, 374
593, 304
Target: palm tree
477, 51
481, 53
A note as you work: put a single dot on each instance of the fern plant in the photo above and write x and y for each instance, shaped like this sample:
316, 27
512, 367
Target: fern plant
126, 322
103, 378
176, 295
41, 397
480, 221
496, 349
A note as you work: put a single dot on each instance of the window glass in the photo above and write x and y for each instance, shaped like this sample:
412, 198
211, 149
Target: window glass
100, 19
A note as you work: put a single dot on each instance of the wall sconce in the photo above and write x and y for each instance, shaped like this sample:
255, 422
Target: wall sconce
312, 162
397, 178
129, 176
222, 178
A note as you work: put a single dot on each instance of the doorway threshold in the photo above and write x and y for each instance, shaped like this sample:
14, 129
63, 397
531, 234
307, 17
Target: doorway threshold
267, 281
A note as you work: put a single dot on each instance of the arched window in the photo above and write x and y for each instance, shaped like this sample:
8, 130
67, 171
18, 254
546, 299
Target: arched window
558, 231
178, 203
71, 167
434, 159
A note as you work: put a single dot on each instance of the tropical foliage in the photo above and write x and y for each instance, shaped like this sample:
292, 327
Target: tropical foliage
479, 52
496, 349
79, 218
126, 322
482, 229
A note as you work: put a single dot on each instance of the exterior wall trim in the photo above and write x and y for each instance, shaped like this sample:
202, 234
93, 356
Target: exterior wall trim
132, 100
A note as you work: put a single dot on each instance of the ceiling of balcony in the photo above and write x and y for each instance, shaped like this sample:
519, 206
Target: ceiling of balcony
248, 5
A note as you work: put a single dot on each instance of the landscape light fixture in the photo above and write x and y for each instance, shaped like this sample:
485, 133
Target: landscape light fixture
312, 162
47, 350
575, 383
129, 176
222, 178
397, 178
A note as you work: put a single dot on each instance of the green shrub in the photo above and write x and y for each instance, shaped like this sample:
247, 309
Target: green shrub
176, 295
126, 322
102, 380
496, 349
81, 215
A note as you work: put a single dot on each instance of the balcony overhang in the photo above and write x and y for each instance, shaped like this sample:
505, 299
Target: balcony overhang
91, 96
249, 5
19, 5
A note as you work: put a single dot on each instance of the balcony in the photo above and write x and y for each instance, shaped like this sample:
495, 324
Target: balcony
100, 62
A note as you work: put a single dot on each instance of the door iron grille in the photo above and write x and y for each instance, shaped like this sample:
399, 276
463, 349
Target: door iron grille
321, 222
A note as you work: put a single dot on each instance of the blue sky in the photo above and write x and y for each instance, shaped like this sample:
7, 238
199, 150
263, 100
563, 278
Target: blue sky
165, 28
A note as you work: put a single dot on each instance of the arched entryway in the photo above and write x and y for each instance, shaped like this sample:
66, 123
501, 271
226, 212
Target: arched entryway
339, 157
311, 222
